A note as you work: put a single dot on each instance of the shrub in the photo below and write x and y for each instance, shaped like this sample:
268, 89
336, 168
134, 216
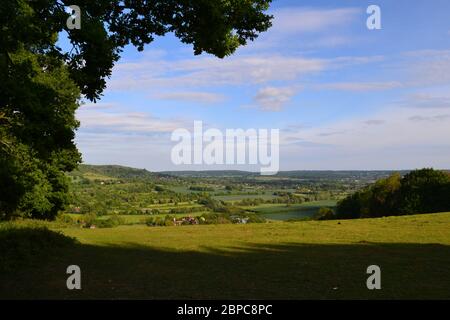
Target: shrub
89, 219
111, 222
324, 213
64, 219
159, 221
254, 218
152, 221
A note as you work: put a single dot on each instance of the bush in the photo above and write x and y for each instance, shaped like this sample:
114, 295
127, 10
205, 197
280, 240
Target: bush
158, 221
89, 219
168, 221
64, 219
152, 221
324, 213
254, 218
111, 222
209, 218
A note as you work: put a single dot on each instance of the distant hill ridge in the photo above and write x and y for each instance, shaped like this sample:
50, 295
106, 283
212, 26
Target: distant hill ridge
115, 171
123, 172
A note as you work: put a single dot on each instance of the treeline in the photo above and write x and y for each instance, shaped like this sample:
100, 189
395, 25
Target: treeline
115, 171
420, 191
285, 197
291, 199
206, 218
201, 188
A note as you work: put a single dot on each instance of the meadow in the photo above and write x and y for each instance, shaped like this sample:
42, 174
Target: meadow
292, 211
291, 255
274, 260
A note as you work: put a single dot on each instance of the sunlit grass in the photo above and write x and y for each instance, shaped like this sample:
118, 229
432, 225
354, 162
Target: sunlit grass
277, 260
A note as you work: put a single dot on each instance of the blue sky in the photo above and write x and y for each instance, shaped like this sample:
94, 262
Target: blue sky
343, 96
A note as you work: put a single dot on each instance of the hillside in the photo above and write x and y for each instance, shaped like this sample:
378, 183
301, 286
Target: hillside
300, 260
111, 172
301, 174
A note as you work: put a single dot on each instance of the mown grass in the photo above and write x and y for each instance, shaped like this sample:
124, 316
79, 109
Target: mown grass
295, 260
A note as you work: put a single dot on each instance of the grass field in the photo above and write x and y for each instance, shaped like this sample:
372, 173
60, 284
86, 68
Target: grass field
295, 260
238, 197
293, 211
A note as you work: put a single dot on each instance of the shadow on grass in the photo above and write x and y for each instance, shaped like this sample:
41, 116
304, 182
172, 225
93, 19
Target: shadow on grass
254, 271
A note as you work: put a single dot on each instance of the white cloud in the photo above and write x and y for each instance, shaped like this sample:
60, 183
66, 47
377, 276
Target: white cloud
273, 99
374, 122
98, 105
360, 86
328, 41
427, 67
405, 140
204, 73
391, 139
426, 100
200, 97
438, 117
313, 28
331, 133
136, 139
134, 150
299, 20
198, 72
128, 122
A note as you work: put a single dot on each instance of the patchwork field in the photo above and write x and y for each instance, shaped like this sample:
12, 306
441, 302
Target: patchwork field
296, 260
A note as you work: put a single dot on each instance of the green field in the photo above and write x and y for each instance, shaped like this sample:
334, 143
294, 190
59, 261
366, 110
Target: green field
293, 211
181, 189
238, 197
295, 260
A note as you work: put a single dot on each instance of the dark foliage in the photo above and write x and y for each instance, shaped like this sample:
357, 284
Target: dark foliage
23, 245
420, 191
41, 84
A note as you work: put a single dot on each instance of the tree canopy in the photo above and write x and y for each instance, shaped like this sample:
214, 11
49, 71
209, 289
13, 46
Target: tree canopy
420, 191
42, 84
217, 27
